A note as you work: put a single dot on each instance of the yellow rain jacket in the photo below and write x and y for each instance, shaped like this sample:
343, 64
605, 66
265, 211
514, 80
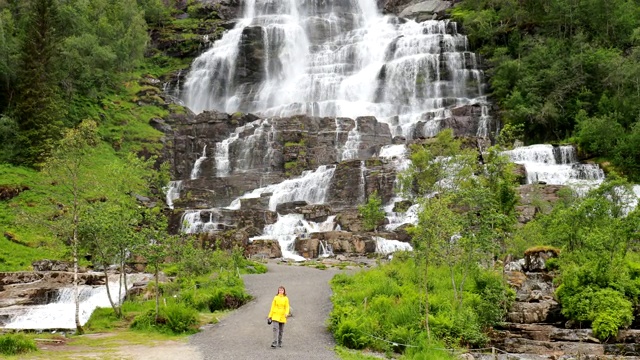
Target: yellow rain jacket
279, 308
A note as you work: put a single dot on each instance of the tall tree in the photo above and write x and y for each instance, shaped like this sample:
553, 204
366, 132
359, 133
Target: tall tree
75, 188
157, 245
39, 110
466, 208
8, 57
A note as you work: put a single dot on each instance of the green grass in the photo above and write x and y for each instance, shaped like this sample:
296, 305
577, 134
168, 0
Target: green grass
348, 354
104, 346
15, 344
15, 257
26, 218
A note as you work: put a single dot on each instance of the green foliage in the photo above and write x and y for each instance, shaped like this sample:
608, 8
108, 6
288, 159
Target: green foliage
223, 292
509, 134
39, 110
372, 212
102, 38
494, 299
347, 354
599, 135
598, 284
15, 344
563, 69
429, 350
606, 309
173, 319
627, 155
382, 309
8, 139
9, 53
154, 11
103, 319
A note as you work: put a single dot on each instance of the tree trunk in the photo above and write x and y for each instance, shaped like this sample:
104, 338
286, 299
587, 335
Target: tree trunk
426, 290
116, 310
124, 274
76, 289
157, 292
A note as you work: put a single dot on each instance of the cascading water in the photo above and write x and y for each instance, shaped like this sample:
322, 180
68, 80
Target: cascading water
59, 314
172, 191
386, 246
397, 156
351, 146
339, 58
195, 172
312, 187
290, 227
252, 151
556, 166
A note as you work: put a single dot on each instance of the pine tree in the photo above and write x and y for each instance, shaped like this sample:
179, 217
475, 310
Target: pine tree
38, 109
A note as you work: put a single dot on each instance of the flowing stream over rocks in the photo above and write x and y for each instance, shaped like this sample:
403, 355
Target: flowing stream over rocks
46, 304
338, 90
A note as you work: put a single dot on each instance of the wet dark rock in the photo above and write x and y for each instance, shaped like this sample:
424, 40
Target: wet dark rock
263, 249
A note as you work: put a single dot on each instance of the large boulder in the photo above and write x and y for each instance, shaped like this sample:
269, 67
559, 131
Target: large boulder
534, 198
338, 242
263, 249
222, 9
426, 10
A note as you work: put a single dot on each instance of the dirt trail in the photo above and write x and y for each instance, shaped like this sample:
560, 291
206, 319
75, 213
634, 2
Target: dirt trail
244, 334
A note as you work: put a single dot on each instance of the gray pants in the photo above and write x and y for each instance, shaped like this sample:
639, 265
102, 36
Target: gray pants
278, 331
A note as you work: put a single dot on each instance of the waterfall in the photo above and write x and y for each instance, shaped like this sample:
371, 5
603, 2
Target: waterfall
172, 191
397, 155
385, 246
193, 223
321, 58
252, 151
325, 249
363, 184
556, 165
290, 227
223, 167
195, 172
311, 187
351, 146
60, 313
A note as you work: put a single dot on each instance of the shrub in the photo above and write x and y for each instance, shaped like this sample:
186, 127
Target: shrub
494, 300
348, 334
372, 212
14, 344
174, 318
180, 319
607, 309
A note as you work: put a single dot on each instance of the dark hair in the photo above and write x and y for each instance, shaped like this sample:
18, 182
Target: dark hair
282, 287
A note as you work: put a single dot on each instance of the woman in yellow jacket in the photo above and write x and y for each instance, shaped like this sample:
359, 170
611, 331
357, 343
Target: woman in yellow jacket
278, 315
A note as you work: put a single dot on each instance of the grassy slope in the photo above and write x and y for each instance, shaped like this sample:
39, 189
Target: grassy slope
124, 126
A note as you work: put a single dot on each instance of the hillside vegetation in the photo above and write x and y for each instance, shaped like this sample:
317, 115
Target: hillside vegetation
564, 71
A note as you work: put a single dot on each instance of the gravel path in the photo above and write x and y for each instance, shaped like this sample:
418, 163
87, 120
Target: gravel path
245, 335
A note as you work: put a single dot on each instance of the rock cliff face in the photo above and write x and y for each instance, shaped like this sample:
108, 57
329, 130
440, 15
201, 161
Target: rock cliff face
535, 326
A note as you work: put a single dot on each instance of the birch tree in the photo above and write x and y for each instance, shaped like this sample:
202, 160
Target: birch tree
74, 189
